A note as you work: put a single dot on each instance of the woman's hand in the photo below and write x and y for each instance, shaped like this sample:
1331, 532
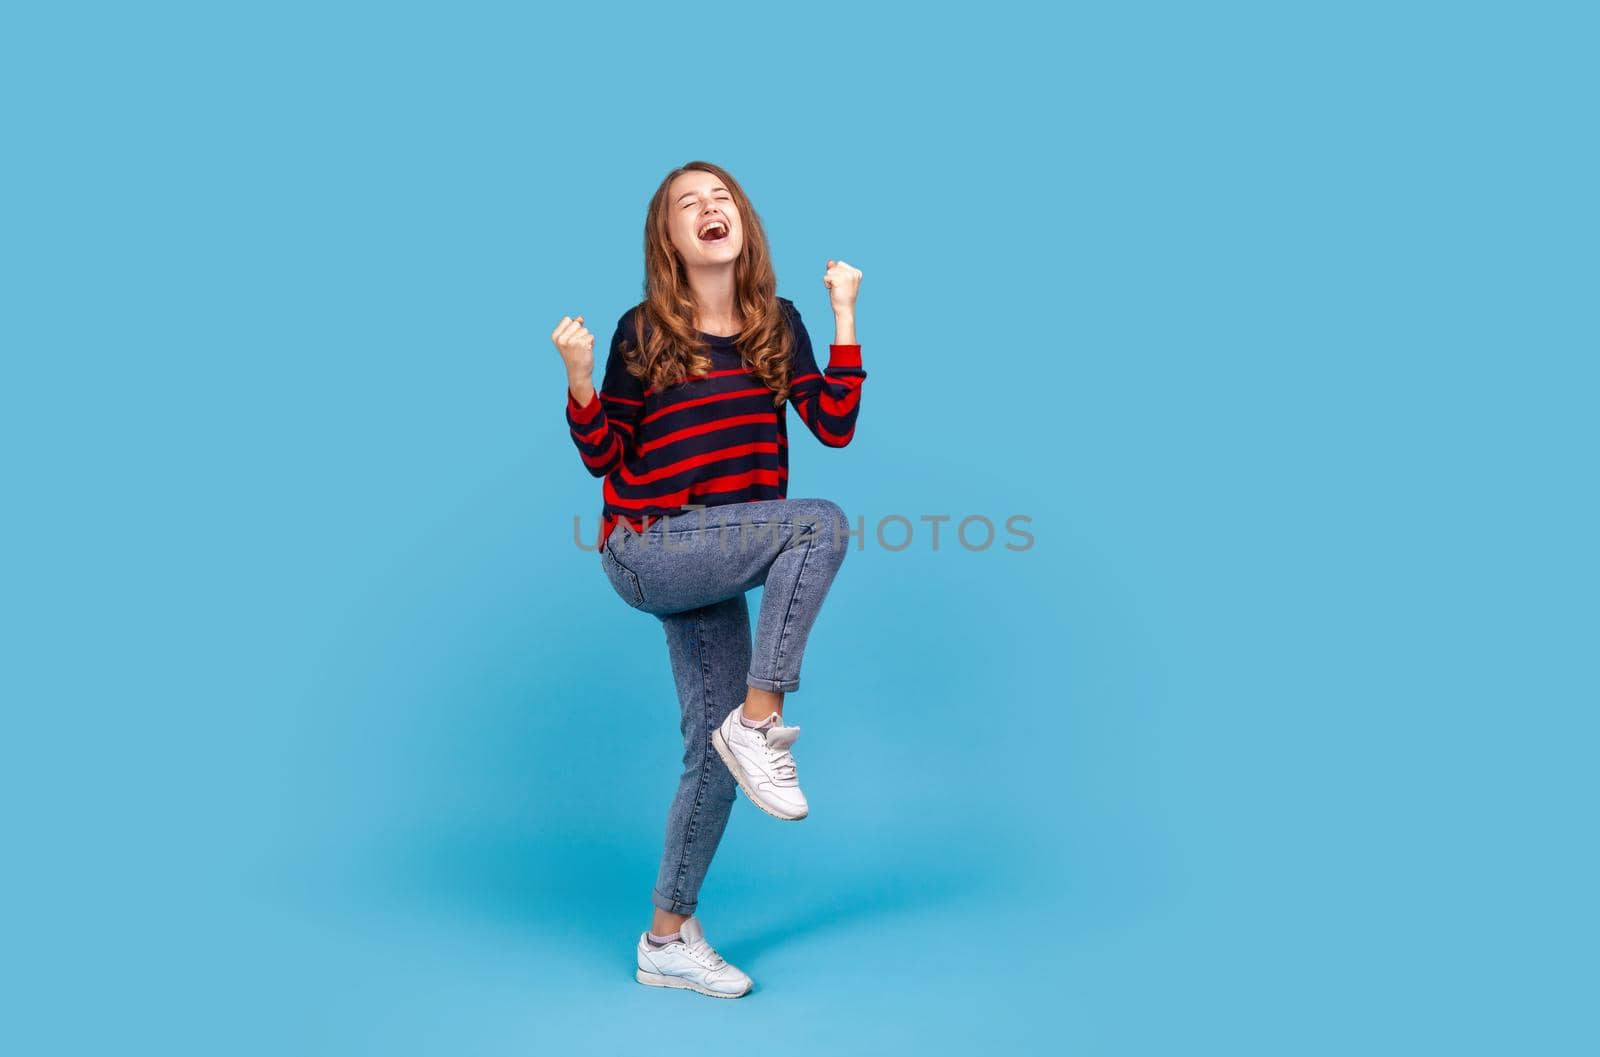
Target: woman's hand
575, 343
842, 282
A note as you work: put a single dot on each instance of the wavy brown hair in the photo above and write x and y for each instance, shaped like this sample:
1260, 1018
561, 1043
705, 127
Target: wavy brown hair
672, 350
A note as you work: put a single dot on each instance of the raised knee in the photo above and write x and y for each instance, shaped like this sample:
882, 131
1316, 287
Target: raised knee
833, 532
826, 516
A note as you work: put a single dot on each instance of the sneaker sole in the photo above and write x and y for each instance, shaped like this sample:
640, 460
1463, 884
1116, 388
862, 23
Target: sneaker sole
657, 980
734, 769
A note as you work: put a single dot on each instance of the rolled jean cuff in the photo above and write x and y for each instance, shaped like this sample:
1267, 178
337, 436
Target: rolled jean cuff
775, 686
671, 906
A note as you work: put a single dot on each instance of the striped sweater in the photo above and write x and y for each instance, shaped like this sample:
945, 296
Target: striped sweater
712, 439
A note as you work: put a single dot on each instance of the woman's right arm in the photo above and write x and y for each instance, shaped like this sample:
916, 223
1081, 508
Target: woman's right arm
601, 423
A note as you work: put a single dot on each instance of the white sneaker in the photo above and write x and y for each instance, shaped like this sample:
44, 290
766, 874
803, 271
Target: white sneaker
761, 763
689, 962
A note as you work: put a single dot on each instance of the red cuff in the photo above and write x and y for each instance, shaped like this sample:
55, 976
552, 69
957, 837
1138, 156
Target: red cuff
587, 412
844, 355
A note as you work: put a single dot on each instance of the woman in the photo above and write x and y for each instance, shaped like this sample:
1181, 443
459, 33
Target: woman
689, 431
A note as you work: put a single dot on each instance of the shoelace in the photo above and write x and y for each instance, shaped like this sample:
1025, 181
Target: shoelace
782, 761
706, 954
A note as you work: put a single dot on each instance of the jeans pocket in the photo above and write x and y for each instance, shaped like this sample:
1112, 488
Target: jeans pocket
623, 580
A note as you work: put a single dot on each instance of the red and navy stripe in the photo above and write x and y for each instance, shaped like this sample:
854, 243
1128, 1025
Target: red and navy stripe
713, 439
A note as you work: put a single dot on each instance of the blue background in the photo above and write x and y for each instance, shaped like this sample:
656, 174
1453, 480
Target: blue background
1278, 321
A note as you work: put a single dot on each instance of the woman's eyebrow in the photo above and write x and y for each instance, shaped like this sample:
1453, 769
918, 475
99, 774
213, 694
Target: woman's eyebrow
691, 194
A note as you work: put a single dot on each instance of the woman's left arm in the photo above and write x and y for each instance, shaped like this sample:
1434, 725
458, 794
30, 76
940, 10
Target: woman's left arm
828, 401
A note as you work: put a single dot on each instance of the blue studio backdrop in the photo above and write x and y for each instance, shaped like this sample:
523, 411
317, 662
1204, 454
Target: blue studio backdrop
1275, 324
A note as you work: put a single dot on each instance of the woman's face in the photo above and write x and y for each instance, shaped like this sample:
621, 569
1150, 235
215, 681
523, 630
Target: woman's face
700, 205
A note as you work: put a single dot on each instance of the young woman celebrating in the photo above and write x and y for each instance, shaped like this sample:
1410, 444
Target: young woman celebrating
689, 431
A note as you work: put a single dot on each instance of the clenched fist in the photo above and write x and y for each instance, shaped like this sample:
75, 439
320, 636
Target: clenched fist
843, 283
575, 343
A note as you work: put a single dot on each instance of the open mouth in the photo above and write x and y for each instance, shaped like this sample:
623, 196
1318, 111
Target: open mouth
715, 231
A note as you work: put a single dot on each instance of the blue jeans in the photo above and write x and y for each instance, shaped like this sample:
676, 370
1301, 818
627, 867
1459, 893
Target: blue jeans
691, 571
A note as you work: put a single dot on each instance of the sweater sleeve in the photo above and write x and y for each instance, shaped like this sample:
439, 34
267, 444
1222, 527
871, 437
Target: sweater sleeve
827, 400
603, 428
